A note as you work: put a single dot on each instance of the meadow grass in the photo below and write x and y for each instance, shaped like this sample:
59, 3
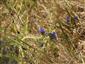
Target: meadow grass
42, 32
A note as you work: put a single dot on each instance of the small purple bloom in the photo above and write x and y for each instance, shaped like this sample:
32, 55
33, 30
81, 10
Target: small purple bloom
68, 19
52, 35
42, 30
75, 18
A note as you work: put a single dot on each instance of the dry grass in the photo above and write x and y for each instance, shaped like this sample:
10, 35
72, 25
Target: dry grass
22, 43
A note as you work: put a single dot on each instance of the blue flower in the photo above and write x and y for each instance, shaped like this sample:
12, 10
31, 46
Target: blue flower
42, 30
52, 35
68, 19
75, 18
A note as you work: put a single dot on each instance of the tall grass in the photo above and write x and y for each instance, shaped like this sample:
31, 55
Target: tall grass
41, 32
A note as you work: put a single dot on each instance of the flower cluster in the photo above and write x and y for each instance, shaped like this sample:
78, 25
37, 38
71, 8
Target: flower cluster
68, 18
52, 35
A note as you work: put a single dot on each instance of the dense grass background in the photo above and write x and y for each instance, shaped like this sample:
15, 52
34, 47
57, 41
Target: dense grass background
42, 32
